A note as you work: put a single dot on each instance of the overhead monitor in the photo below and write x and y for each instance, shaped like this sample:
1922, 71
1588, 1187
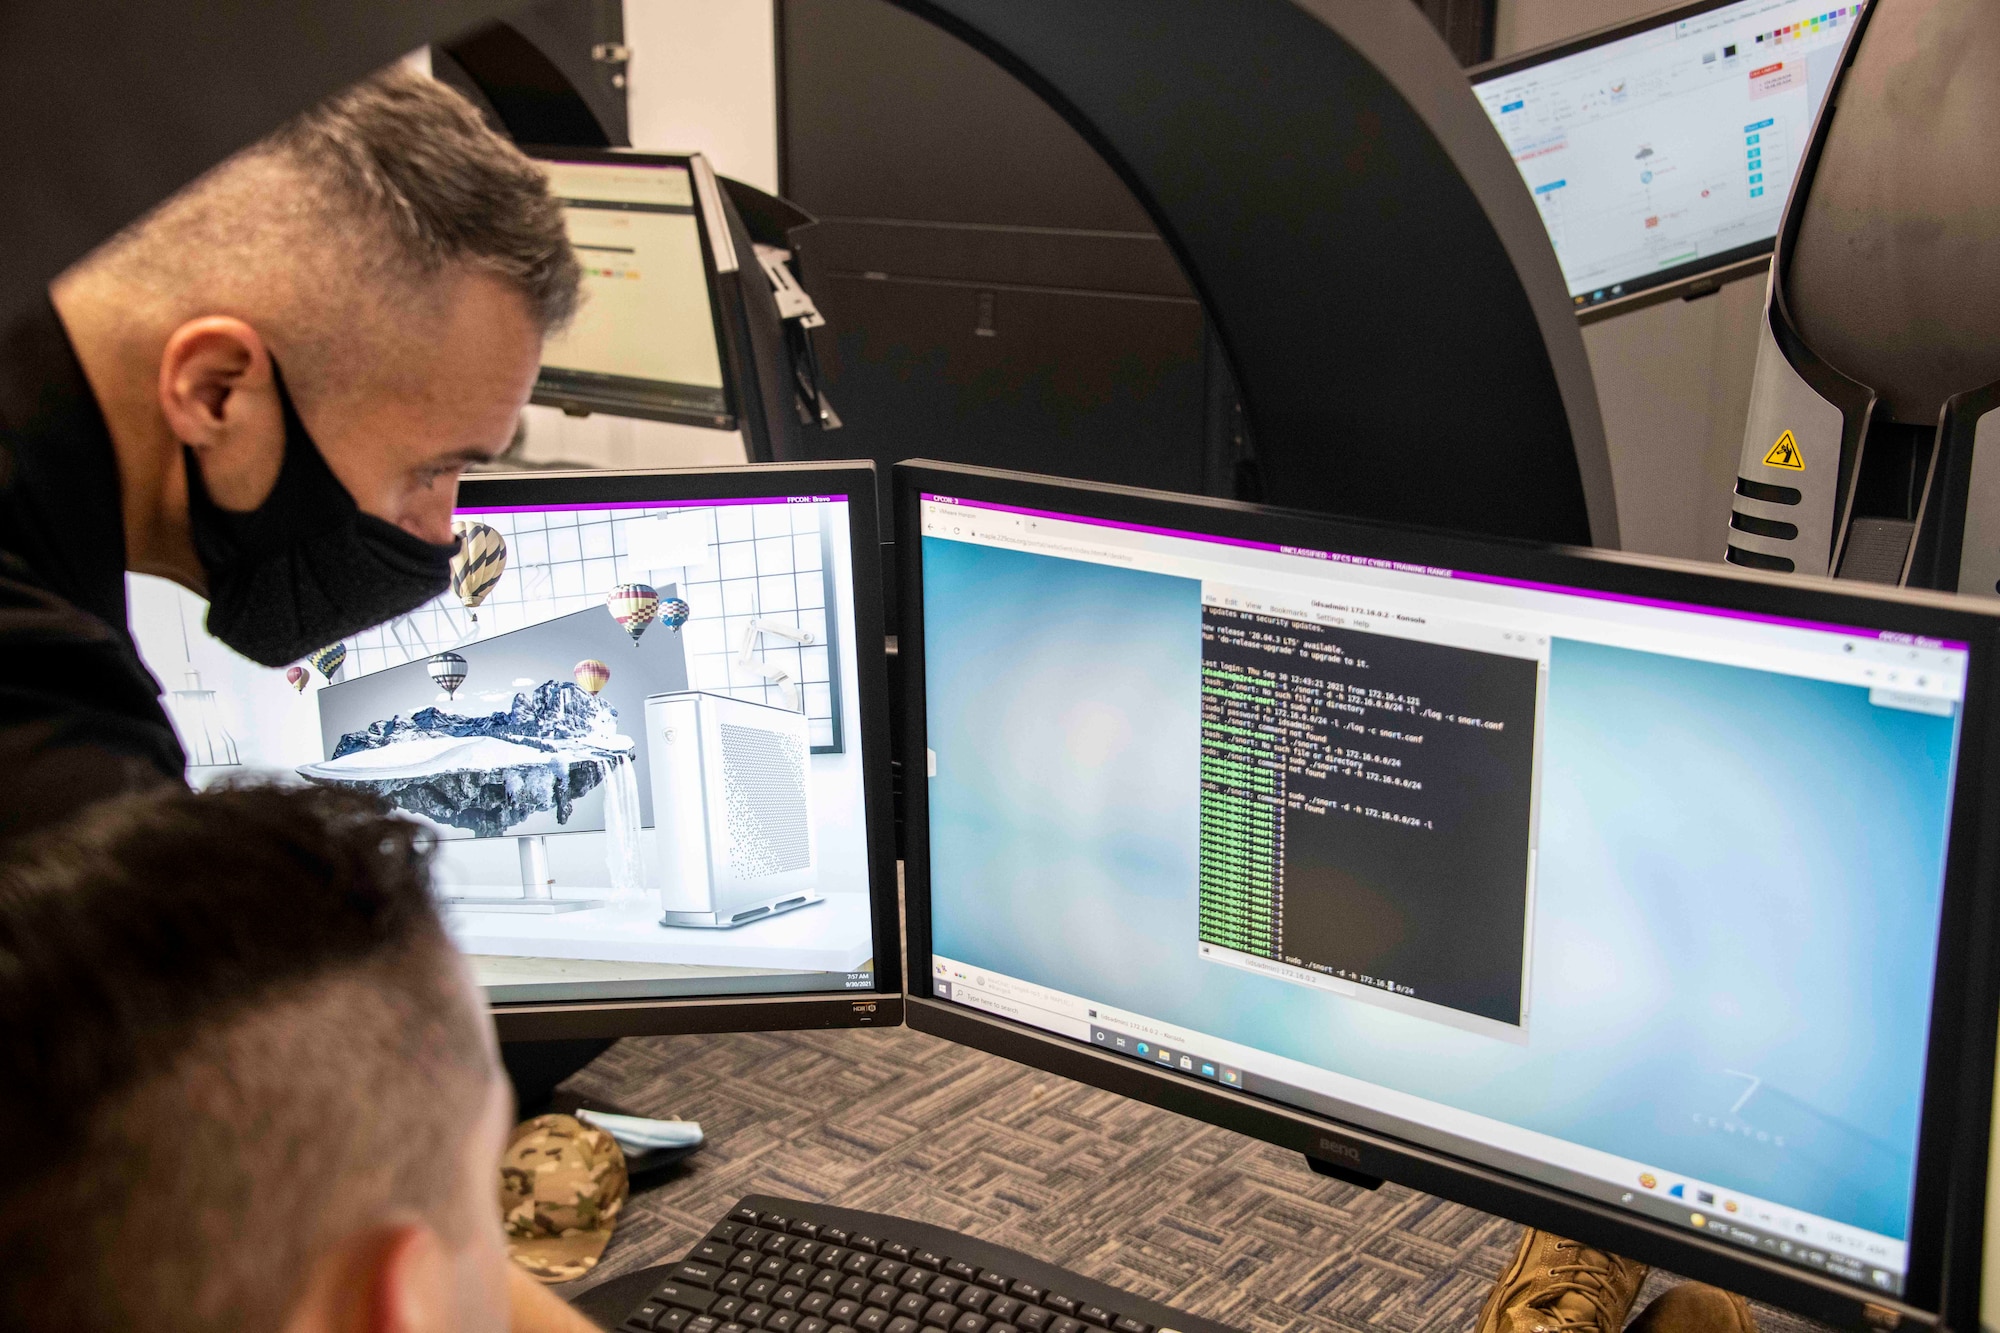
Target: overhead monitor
646, 341
646, 728
1661, 150
1612, 895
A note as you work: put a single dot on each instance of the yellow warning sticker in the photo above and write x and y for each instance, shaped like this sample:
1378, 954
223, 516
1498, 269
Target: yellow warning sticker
1785, 453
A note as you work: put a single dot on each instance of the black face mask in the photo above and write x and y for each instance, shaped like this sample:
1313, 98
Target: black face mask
306, 568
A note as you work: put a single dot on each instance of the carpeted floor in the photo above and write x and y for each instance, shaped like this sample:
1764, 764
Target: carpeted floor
899, 1122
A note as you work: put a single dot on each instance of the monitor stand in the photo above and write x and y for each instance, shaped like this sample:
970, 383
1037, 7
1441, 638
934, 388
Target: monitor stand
537, 886
1321, 1167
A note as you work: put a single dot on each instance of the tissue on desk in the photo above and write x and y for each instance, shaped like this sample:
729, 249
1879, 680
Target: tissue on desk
639, 1134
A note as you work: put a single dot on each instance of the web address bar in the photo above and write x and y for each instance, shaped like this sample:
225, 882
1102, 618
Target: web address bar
1057, 545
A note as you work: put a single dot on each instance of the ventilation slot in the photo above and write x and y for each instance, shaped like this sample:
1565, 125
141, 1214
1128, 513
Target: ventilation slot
1736, 555
1763, 527
764, 793
1757, 490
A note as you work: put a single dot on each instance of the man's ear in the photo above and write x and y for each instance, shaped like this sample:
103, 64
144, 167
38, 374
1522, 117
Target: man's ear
219, 397
412, 1290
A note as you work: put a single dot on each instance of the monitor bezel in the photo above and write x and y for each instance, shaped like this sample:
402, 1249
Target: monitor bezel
1696, 278
1960, 968
785, 1010
585, 403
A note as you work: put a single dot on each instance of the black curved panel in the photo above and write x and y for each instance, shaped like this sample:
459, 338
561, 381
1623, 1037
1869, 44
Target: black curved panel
1360, 237
1893, 277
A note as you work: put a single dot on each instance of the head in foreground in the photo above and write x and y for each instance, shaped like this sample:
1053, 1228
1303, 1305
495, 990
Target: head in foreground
247, 1079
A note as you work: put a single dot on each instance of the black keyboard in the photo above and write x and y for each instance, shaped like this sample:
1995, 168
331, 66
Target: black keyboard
784, 1266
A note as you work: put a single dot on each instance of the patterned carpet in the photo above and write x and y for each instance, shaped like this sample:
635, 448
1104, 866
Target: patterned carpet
899, 1122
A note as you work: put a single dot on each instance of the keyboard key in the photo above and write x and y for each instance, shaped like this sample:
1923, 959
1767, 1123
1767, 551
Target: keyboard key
733, 1284
700, 1275
753, 1314
1064, 1324
781, 1321
726, 1307
1096, 1314
809, 1324
894, 1249
1002, 1309
915, 1278
775, 1221
861, 1240
872, 1320
670, 1321
832, 1256
761, 1289
825, 1280
970, 1322
843, 1311
928, 1259
881, 1294
913, 1304
799, 1274
712, 1252
733, 1327
1060, 1304
1033, 1318
902, 1323
833, 1235
777, 1243
861, 1265
772, 1266
854, 1288
804, 1249
989, 1278
725, 1231
685, 1296
810, 1230
974, 1299
815, 1303
745, 1214
1001, 1328
1028, 1292
887, 1270
943, 1288
646, 1314
701, 1323
940, 1314
788, 1296
961, 1270
1125, 1323
751, 1238
746, 1261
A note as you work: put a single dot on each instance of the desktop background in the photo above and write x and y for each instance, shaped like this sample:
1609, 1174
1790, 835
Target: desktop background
1736, 908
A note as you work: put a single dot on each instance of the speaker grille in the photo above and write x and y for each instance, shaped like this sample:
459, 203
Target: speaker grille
764, 797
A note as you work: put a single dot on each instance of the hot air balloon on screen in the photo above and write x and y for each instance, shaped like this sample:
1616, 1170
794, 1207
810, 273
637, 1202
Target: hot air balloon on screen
481, 560
328, 659
633, 606
298, 676
591, 674
448, 670
674, 613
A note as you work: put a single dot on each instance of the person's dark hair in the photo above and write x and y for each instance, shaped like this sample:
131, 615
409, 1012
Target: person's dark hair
232, 1031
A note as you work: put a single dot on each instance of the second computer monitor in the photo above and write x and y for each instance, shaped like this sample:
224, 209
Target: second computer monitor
1617, 897
1662, 149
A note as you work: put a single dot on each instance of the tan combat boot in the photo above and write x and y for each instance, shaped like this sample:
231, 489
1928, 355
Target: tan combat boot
1559, 1286
1696, 1307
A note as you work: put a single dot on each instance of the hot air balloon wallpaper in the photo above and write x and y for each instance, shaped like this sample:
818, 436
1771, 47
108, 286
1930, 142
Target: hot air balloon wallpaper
298, 676
633, 606
481, 560
674, 613
448, 670
591, 675
328, 659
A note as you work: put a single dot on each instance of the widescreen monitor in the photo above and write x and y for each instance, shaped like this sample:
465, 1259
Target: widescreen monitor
647, 341
1618, 896
646, 727
1662, 150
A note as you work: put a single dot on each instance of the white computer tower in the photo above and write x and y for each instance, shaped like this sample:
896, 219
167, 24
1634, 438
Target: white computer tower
732, 808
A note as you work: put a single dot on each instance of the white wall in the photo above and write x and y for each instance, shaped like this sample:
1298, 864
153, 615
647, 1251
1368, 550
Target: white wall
1673, 380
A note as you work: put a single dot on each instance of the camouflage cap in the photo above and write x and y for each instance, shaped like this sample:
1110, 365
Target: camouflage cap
562, 1183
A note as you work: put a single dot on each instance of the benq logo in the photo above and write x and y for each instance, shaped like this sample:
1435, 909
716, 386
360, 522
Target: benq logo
1334, 1148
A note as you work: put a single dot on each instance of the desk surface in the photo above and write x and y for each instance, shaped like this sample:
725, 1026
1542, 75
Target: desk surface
898, 1122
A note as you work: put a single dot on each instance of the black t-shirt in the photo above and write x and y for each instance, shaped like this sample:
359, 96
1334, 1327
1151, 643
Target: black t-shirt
80, 715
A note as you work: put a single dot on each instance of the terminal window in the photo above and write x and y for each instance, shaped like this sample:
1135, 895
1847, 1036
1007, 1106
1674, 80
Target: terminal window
1366, 809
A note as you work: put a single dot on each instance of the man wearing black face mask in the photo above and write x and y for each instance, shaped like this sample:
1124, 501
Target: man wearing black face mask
264, 391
